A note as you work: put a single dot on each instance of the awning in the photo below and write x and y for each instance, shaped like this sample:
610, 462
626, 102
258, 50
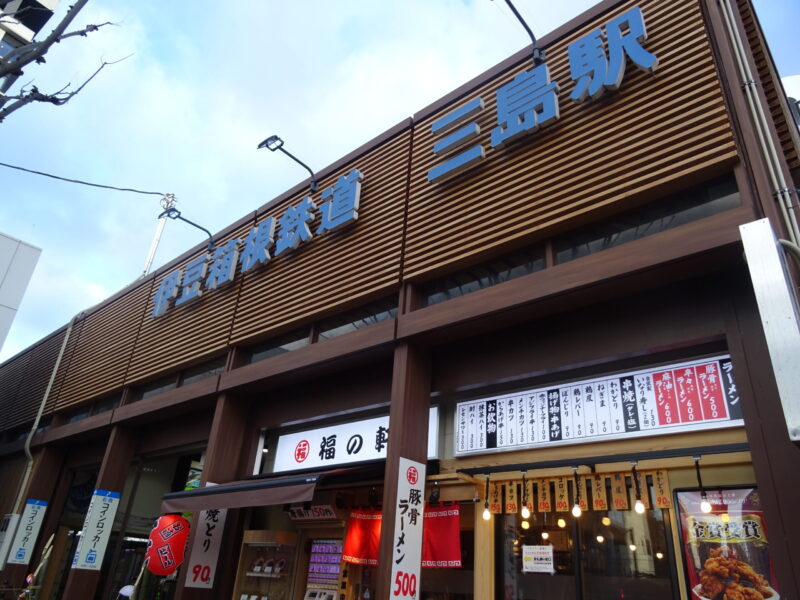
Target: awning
239, 494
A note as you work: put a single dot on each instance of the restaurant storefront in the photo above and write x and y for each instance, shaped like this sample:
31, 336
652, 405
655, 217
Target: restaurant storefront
510, 349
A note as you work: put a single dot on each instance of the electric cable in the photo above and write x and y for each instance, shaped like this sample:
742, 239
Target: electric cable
98, 185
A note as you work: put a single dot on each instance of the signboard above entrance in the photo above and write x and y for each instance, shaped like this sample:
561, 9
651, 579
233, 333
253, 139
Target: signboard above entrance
688, 396
343, 443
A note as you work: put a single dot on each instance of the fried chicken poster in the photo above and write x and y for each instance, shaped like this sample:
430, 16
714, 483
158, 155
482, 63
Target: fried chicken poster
727, 550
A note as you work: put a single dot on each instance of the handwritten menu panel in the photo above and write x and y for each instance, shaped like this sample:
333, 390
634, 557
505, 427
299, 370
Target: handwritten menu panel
681, 397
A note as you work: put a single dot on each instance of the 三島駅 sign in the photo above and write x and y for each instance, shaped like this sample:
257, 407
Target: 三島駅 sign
688, 396
344, 443
529, 102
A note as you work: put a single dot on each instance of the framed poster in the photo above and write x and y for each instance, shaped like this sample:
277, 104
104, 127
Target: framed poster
726, 551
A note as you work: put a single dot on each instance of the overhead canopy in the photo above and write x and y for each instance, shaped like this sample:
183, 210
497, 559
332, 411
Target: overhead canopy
239, 494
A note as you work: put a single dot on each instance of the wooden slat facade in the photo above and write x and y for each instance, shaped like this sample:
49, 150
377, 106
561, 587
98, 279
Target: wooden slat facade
627, 148
185, 333
34, 381
598, 158
768, 78
103, 346
344, 268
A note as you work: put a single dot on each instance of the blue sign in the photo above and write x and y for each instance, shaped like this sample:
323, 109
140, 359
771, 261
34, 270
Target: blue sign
529, 102
218, 269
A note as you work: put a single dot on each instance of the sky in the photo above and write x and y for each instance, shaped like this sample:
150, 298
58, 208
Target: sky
205, 83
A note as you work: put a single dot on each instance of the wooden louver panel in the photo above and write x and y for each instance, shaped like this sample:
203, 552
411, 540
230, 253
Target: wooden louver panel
787, 130
99, 360
344, 268
12, 376
34, 381
655, 129
185, 333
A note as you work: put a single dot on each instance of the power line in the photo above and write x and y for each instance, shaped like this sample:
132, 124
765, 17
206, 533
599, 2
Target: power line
98, 185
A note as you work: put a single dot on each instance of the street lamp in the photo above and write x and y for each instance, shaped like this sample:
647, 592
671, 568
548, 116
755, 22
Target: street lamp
274, 142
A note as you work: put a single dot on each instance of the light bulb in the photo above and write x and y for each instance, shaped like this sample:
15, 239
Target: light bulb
545, 535
705, 506
525, 525
576, 510
600, 539
659, 555
639, 506
562, 523
526, 512
632, 547
606, 521
486, 514
726, 518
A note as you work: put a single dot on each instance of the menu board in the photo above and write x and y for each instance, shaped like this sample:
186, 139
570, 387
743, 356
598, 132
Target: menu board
324, 565
688, 396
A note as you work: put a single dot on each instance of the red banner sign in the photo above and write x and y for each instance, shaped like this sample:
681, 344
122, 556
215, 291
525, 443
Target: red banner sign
441, 540
363, 539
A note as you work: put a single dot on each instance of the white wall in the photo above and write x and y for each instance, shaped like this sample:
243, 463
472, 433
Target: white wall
17, 261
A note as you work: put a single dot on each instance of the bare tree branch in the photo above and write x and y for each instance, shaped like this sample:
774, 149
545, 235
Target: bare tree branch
58, 98
24, 55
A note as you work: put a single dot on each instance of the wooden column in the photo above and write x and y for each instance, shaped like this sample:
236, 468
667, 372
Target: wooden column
82, 583
223, 463
408, 438
776, 460
48, 465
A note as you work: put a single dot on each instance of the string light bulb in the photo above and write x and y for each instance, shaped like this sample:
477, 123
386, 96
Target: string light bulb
632, 547
486, 513
526, 512
705, 505
562, 523
600, 539
659, 555
639, 505
576, 509
525, 525
545, 535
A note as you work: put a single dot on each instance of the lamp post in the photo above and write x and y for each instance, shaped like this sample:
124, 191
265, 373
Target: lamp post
273, 143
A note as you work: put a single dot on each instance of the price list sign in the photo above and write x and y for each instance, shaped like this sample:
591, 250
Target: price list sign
325, 564
688, 396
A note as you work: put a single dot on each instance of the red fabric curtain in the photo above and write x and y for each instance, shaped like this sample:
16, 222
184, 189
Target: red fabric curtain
441, 542
362, 542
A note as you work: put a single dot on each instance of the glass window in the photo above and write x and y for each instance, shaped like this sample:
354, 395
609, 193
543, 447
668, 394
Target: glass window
207, 369
155, 387
362, 317
280, 345
670, 212
601, 555
484, 275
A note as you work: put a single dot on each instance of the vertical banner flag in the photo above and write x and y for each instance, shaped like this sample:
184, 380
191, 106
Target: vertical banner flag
201, 567
363, 539
28, 531
409, 515
96, 530
441, 540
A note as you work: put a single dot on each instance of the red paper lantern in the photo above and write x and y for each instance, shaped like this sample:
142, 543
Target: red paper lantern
167, 545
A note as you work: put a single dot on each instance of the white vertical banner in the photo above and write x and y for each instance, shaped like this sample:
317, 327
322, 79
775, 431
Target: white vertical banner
96, 531
201, 568
407, 553
27, 532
